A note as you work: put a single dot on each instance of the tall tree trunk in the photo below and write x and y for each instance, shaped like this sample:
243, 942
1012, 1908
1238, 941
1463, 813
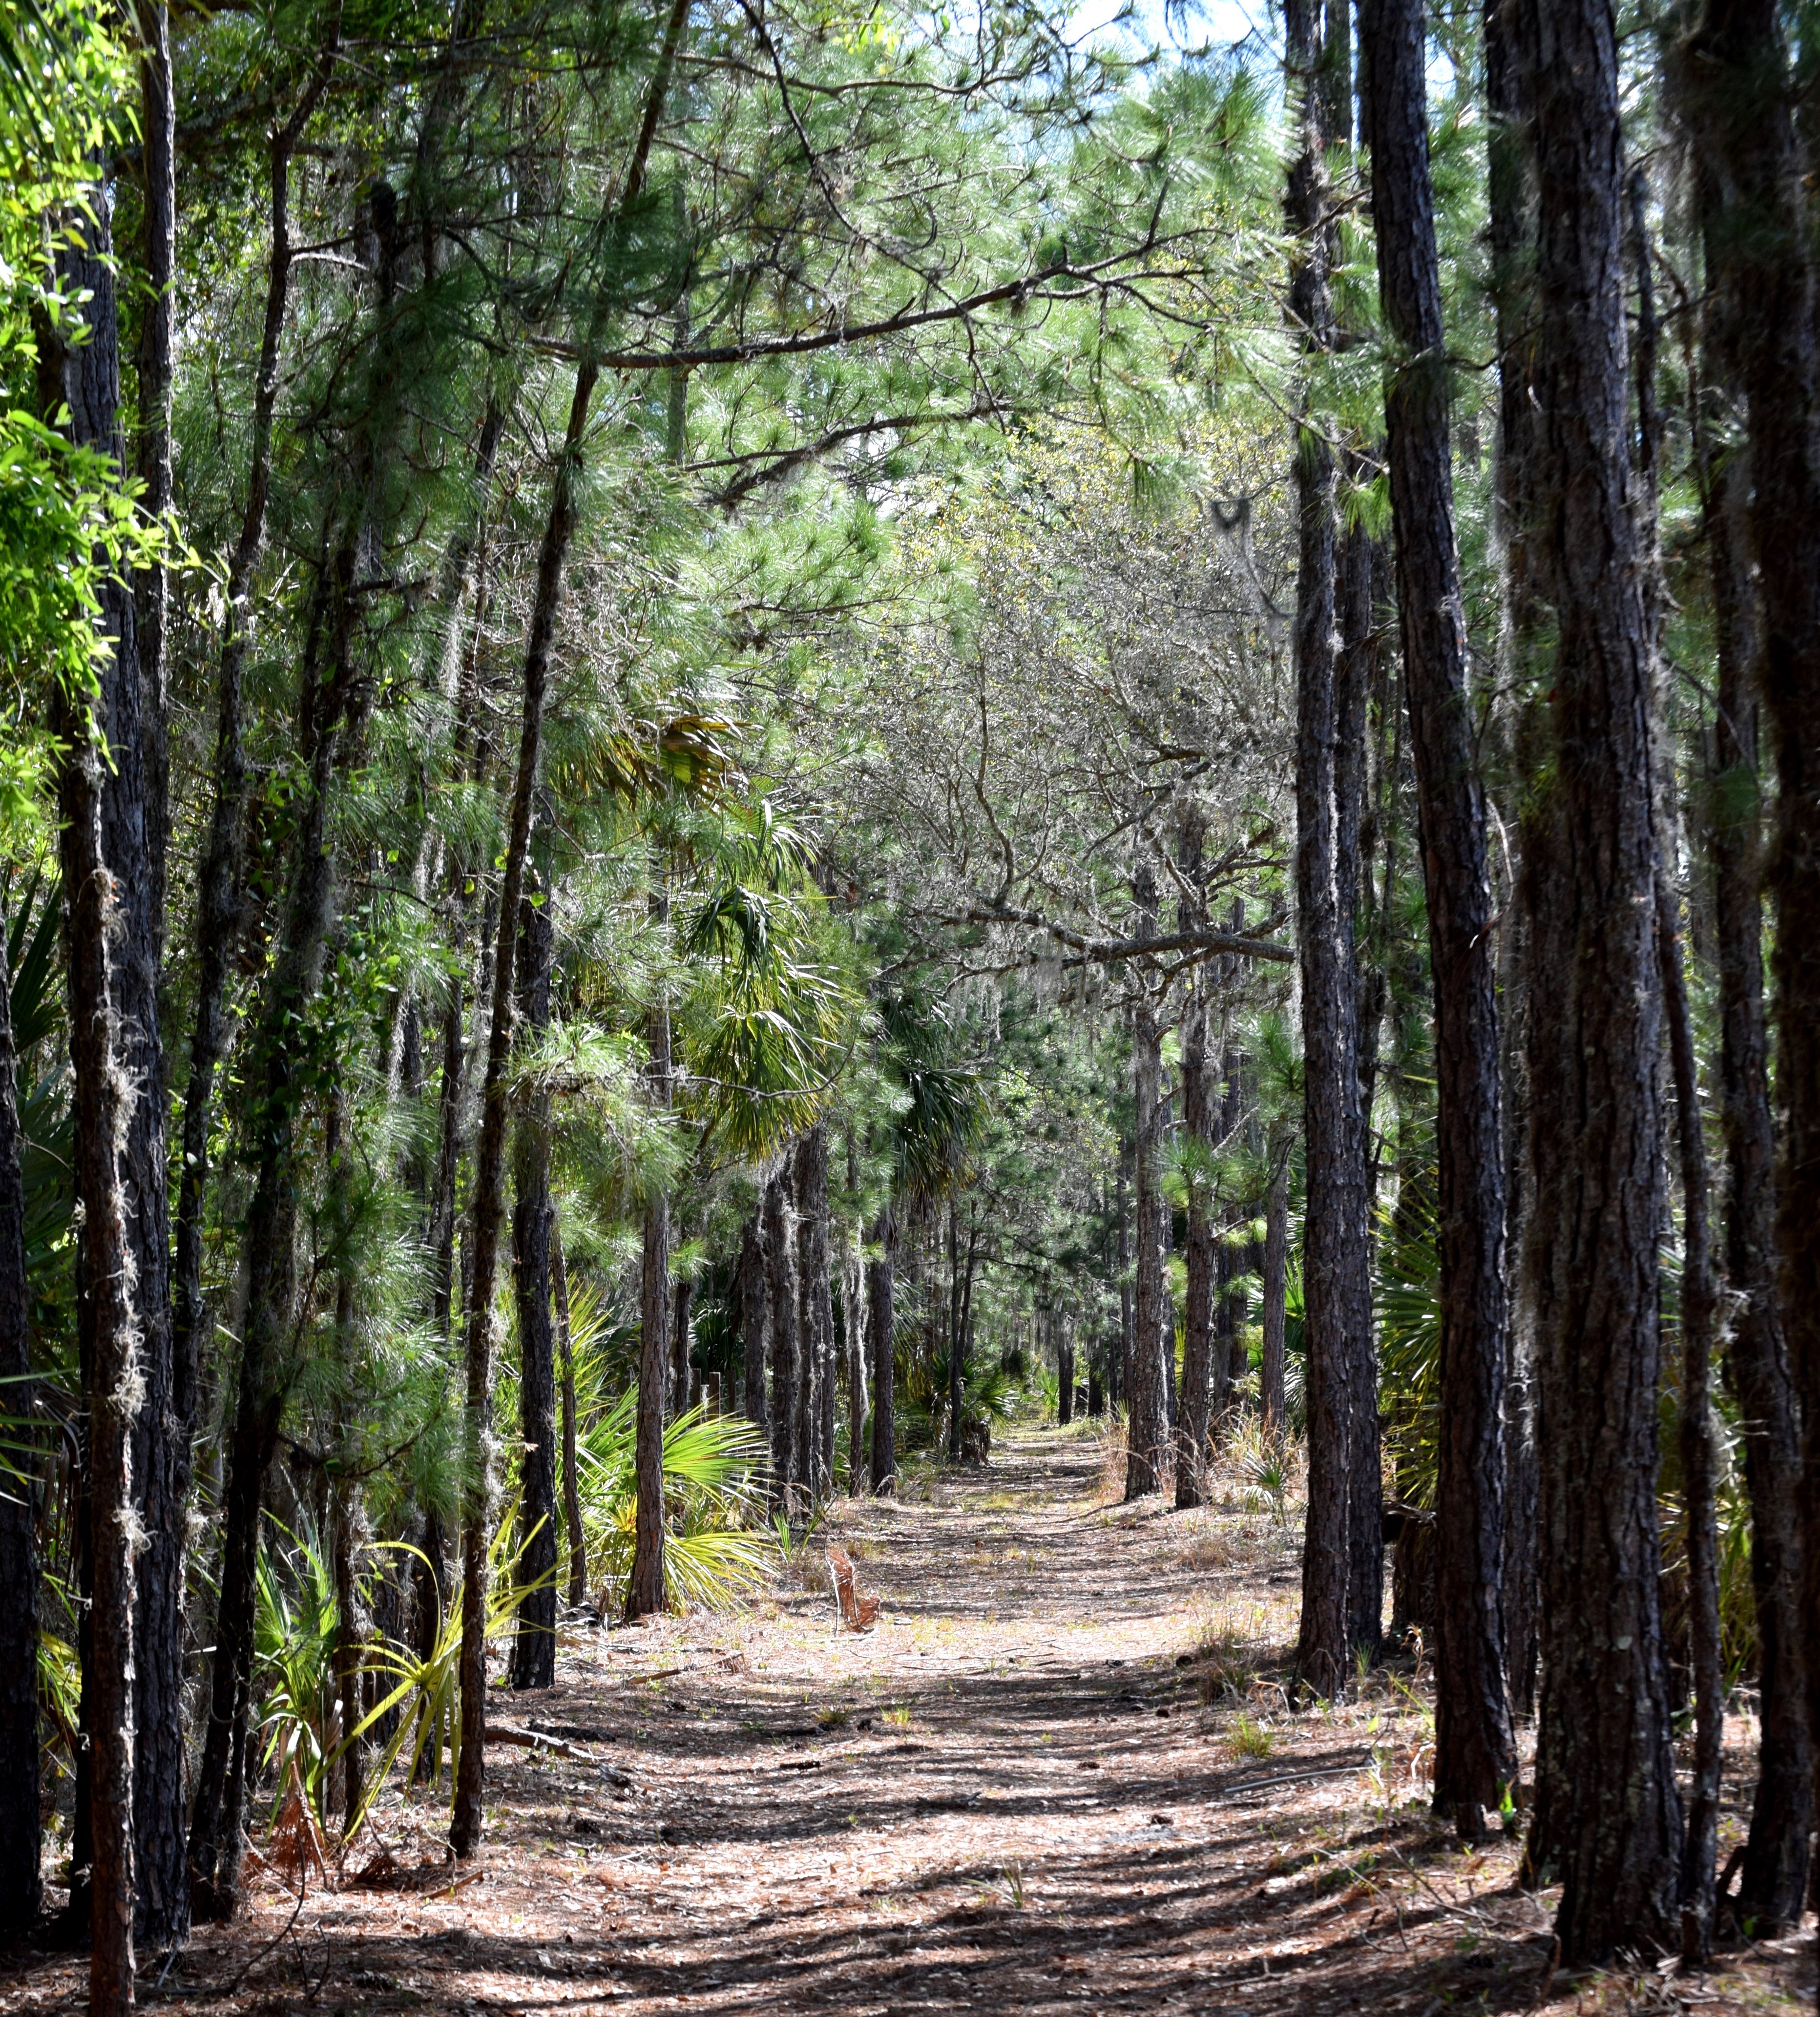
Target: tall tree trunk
533, 1216
104, 903
1699, 1453
854, 1314
647, 1589
1275, 1294
1607, 1819
780, 1271
1337, 1299
139, 817
1509, 234
1065, 1370
1147, 1429
882, 1324
20, 1886
1121, 1367
1475, 1755
489, 1159
753, 1324
956, 1334
1772, 1884
1759, 241
1204, 1383
572, 1520
333, 712
816, 1318
682, 1371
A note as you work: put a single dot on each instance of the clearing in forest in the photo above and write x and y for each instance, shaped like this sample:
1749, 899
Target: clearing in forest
1060, 1775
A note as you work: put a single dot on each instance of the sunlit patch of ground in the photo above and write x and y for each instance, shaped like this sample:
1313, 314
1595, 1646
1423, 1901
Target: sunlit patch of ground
1062, 1775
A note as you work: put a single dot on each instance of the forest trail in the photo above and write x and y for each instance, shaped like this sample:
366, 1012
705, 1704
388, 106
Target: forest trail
1058, 1776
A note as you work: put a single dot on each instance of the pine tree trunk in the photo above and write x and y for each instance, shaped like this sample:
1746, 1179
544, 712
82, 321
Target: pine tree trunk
533, 1215
488, 1209
1743, 95
572, 1519
1475, 1757
1275, 1295
1337, 1304
139, 817
814, 1317
1699, 1453
102, 913
1205, 1387
1147, 1430
1607, 1819
1772, 1883
780, 1268
854, 1315
647, 1590
753, 1324
682, 1372
882, 1323
1509, 232
20, 1886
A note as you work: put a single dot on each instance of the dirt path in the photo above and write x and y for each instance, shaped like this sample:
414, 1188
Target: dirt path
1058, 1777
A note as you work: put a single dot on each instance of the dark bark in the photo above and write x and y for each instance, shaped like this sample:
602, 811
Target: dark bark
814, 1457
20, 1888
1205, 1381
647, 1590
1510, 235
1475, 1758
1336, 1287
488, 1206
1772, 1882
646, 1593
1148, 1418
1607, 1819
1065, 1371
853, 1307
780, 1275
682, 1372
1120, 1365
1699, 1451
753, 1325
1743, 97
332, 711
138, 817
533, 1216
100, 914
882, 1324
1276, 1293
576, 1536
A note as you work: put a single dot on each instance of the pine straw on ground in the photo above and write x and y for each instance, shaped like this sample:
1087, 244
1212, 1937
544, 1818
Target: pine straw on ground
1061, 1775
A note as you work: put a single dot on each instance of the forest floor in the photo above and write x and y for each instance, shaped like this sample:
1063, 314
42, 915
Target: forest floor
1060, 1776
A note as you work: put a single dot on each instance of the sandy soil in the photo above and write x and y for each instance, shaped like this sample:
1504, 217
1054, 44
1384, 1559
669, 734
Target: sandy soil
1060, 1775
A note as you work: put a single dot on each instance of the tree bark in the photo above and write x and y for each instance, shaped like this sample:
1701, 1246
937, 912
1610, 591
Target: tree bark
1475, 1756
854, 1314
814, 1391
1147, 1422
647, 1590
1698, 1454
104, 909
883, 1327
1275, 1294
20, 1885
1205, 1385
780, 1268
572, 1520
1772, 1883
753, 1324
533, 1216
1607, 1819
138, 813
1743, 98
1337, 1287
1510, 236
